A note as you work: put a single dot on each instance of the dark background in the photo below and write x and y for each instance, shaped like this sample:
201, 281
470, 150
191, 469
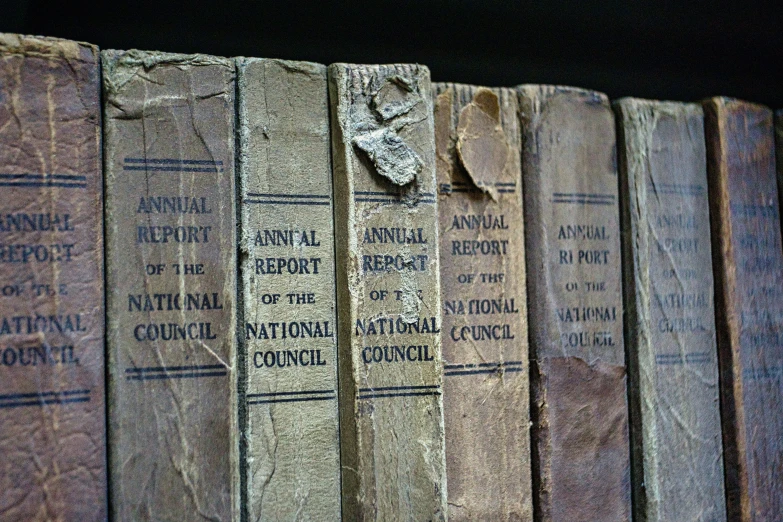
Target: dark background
665, 50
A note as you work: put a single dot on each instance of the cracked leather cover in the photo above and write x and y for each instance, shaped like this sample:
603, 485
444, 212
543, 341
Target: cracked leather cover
171, 279
581, 468
52, 411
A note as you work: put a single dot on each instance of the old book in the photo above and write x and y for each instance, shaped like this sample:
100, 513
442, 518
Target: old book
670, 315
748, 267
52, 424
291, 454
388, 293
580, 448
779, 154
482, 267
171, 274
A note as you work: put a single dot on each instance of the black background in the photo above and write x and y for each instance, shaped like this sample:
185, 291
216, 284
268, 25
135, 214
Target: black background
666, 50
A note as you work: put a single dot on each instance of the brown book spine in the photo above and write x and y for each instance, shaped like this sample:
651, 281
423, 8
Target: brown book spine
171, 270
580, 446
388, 293
52, 410
748, 266
485, 343
670, 317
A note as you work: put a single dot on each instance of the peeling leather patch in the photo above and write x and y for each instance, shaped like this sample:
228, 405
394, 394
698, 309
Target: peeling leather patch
392, 157
481, 144
397, 96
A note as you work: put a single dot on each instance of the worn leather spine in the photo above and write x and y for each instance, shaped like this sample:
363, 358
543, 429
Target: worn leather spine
290, 414
580, 445
482, 266
388, 293
670, 313
748, 267
52, 423
779, 154
171, 275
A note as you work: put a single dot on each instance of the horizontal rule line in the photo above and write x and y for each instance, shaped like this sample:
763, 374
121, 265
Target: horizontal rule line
259, 195
172, 169
174, 368
389, 194
173, 161
395, 388
581, 195
583, 202
481, 365
43, 394
273, 394
58, 184
483, 371
164, 376
378, 200
44, 402
293, 399
69, 177
472, 185
758, 374
256, 202
401, 394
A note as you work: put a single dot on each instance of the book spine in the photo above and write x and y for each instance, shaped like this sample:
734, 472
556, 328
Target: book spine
171, 268
290, 421
670, 323
485, 343
748, 266
388, 293
52, 409
580, 445
779, 154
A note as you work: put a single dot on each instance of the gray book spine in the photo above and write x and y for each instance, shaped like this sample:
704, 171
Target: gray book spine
388, 293
291, 464
670, 323
171, 279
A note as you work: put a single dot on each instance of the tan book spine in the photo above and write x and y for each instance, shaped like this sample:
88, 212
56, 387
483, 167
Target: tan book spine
670, 315
171, 274
52, 409
578, 379
291, 463
486, 397
388, 293
748, 267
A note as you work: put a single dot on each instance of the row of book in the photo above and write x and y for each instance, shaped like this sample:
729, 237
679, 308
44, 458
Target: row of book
255, 289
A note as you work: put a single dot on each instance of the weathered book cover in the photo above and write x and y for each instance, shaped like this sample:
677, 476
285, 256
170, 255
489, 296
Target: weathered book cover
171, 274
670, 315
779, 153
486, 397
52, 424
581, 468
748, 266
291, 453
388, 293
